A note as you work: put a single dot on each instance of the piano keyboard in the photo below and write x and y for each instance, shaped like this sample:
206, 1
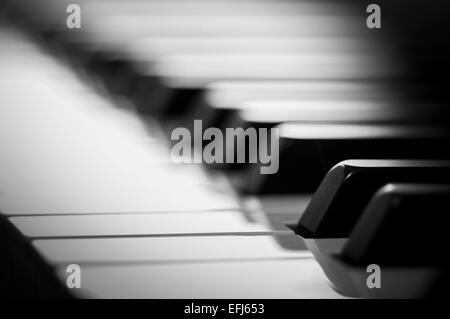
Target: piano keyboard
86, 171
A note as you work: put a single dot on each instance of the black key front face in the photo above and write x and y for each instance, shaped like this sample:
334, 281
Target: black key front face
308, 151
403, 224
348, 187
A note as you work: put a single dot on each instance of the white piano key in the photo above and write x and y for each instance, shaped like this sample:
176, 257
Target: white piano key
198, 70
150, 48
279, 209
204, 18
328, 110
66, 150
198, 18
166, 249
140, 224
164, 7
356, 131
236, 94
61, 197
48, 11
57, 198
298, 278
104, 29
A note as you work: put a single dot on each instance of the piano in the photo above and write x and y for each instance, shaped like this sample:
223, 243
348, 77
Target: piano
88, 182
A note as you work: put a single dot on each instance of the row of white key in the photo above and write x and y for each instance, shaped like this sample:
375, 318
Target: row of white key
68, 164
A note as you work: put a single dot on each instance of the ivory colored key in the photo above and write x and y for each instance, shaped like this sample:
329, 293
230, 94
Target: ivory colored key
73, 152
198, 18
269, 113
144, 224
296, 278
146, 48
166, 249
218, 24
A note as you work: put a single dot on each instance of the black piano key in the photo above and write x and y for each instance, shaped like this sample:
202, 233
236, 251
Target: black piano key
267, 104
232, 104
402, 231
400, 221
347, 188
308, 151
23, 272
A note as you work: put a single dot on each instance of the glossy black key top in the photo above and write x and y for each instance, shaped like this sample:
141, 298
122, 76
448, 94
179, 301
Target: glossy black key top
347, 188
400, 221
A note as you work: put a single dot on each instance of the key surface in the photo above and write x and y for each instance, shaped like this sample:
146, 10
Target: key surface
264, 113
399, 221
347, 188
308, 150
172, 74
284, 209
166, 250
222, 100
232, 94
74, 152
146, 48
107, 225
243, 279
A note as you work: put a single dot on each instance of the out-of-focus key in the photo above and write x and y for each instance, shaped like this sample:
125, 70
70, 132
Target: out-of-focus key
185, 73
222, 100
74, 152
308, 151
